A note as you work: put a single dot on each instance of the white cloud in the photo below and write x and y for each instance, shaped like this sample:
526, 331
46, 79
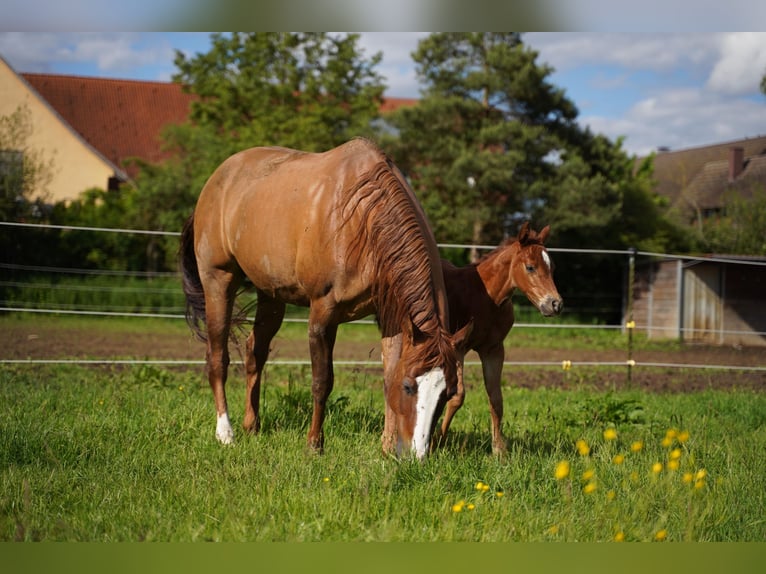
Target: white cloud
742, 63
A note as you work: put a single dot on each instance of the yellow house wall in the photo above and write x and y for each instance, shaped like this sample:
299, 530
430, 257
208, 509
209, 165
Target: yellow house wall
77, 167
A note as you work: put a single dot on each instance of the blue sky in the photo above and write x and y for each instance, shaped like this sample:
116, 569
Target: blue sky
674, 89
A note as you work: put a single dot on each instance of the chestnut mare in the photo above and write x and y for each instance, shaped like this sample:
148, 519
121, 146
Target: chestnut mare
342, 233
481, 292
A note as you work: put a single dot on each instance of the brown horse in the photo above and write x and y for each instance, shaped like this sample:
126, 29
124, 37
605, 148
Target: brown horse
482, 293
342, 233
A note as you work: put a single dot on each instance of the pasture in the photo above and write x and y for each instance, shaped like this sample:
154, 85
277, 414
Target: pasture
127, 453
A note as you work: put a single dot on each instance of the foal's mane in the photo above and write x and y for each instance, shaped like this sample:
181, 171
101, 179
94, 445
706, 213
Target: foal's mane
394, 232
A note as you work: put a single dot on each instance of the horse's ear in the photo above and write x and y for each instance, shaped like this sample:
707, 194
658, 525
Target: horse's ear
460, 338
523, 233
543, 235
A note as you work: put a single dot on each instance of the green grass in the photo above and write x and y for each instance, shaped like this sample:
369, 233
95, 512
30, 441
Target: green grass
129, 454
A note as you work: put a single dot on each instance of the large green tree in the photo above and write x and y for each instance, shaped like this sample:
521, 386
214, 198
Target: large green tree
483, 132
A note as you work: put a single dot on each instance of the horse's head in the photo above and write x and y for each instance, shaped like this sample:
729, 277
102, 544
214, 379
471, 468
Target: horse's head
425, 376
532, 271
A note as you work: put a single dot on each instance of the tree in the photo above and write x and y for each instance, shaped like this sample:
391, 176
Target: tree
310, 91
482, 133
25, 172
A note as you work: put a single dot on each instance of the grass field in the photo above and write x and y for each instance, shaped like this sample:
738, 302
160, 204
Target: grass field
128, 454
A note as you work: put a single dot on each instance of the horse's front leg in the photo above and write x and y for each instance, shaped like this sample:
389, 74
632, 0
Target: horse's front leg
322, 333
391, 350
492, 369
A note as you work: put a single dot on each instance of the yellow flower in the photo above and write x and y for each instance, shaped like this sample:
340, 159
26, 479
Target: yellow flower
675, 454
588, 474
611, 495
610, 434
673, 464
562, 470
470, 506
657, 468
661, 535
499, 494
582, 448
636, 446
326, 479
458, 506
667, 442
699, 484
619, 536
180, 387
553, 529
683, 436
688, 477
590, 487
618, 459
479, 485
701, 473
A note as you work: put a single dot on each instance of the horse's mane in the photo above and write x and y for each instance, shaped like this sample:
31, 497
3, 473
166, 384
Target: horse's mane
395, 232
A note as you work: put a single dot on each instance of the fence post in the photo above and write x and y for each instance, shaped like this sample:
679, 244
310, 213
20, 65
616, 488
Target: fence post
630, 324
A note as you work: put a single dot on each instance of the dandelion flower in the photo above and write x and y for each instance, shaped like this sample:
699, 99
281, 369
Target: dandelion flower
611, 495
480, 485
499, 494
590, 487
699, 484
701, 473
582, 448
326, 479
470, 506
673, 464
636, 446
619, 536
687, 477
588, 474
458, 506
667, 442
610, 434
657, 468
683, 436
562, 470
675, 454
661, 535
553, 529
618, 459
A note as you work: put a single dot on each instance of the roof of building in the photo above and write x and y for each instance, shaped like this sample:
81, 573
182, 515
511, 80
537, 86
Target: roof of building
119, 118
701, 173
124, 119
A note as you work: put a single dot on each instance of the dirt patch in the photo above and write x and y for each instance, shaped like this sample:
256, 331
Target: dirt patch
661, 371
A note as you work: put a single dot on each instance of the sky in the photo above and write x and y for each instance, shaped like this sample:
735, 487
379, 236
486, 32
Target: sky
658, 89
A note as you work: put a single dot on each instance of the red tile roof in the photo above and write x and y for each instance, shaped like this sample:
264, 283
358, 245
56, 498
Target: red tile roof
124, 118
119, 118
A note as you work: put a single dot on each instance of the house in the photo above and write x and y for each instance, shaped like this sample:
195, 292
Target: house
696, 180
716, 299
92, 127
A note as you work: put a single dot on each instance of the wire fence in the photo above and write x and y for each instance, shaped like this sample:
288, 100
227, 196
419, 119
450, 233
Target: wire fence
175, 311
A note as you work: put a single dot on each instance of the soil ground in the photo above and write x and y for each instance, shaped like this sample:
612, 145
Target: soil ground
26, 340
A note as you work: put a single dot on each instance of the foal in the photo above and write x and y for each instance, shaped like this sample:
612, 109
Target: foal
481, 292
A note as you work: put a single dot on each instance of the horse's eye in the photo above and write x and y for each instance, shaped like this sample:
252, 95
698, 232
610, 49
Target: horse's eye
530, 268
410, 387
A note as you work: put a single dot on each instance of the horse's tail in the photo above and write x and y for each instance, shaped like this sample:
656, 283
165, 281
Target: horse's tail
195, 296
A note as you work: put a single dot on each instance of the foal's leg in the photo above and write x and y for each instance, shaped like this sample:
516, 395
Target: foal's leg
322, 333
453, 404
492, 368
220, 289
268, 318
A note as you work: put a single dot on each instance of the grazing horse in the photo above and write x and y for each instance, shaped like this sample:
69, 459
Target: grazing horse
342, 233
481, 293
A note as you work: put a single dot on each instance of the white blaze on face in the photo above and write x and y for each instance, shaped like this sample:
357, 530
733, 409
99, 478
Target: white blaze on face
546, 258
430, 388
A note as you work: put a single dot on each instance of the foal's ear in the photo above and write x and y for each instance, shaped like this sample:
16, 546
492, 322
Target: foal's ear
523, 233
543, 235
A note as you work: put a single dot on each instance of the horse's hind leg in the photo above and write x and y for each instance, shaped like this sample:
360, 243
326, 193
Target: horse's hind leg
322, 333
268, 318
220, 289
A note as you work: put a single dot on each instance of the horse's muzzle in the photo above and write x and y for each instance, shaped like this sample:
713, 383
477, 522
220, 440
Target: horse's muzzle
552, 306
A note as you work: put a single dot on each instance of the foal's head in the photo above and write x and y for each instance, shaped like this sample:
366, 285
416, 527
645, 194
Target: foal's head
532, 271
